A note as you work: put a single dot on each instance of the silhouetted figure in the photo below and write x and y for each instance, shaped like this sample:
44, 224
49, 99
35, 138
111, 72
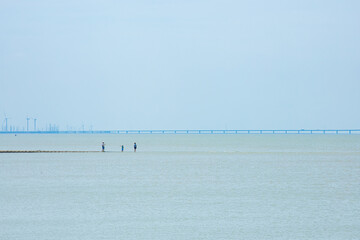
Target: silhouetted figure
135, 146
103, 147
122, 148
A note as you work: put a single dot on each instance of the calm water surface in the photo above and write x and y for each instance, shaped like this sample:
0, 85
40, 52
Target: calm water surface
181, 187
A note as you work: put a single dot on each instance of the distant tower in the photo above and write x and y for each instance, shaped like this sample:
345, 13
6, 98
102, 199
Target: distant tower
34, 124
27, 124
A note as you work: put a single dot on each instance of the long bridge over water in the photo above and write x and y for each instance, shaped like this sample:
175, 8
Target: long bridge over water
263, 131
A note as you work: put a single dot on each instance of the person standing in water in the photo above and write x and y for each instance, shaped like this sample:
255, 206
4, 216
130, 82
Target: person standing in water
103, 147
135, 146
122, 148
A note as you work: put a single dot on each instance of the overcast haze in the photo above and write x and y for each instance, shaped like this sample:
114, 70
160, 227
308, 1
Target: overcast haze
181, 64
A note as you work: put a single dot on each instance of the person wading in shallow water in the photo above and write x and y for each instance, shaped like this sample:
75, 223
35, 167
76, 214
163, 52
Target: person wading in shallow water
135, 146
122, 148
103, 147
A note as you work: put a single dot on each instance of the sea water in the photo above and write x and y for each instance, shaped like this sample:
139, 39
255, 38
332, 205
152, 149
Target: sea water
181, 187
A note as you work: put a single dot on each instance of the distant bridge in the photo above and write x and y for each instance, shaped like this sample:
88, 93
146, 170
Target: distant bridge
265, 131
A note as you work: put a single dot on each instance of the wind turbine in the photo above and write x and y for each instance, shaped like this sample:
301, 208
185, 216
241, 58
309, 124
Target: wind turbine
35, 124
6, 123
27, 124
2, 124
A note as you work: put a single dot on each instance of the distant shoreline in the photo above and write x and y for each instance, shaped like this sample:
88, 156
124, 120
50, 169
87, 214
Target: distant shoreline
265, 131
42, 151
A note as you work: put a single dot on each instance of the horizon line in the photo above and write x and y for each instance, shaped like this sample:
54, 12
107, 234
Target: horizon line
196, 131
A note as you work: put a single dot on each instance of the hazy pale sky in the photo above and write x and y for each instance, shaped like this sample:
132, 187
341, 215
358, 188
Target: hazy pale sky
253, 64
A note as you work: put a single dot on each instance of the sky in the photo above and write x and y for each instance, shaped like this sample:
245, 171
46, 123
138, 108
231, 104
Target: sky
180, 64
